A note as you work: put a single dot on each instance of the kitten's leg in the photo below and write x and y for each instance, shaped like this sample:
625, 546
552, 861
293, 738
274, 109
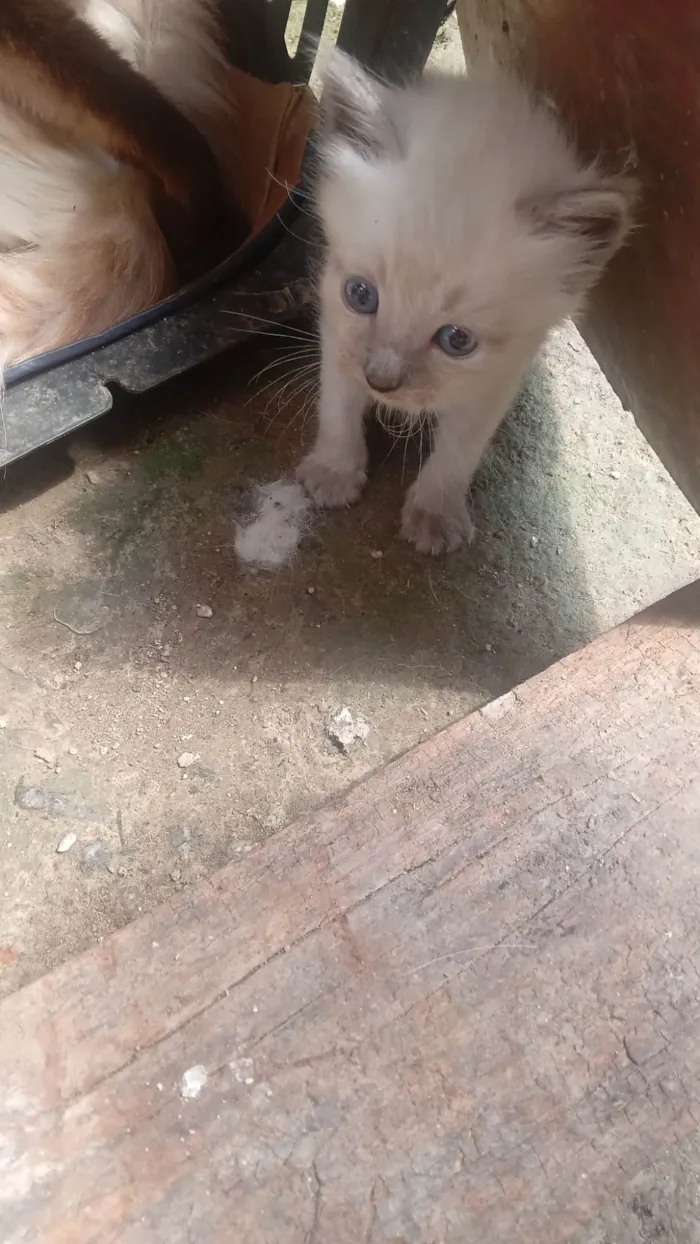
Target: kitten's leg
335, 471
435, 516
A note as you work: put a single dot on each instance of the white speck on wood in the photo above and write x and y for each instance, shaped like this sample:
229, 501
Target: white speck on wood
241, 1069
280, 518
193, 1081
499, 708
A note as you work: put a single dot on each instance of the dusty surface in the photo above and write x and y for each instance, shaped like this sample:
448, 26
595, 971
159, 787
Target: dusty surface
661, 1206
110, 675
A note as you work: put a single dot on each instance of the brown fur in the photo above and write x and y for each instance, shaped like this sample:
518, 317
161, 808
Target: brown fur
56, 69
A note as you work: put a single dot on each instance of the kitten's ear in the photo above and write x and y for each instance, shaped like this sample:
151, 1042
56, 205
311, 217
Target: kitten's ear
597, 216
355, 107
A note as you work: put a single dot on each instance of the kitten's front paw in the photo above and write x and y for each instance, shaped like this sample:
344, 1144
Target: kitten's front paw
330, 486
433, 532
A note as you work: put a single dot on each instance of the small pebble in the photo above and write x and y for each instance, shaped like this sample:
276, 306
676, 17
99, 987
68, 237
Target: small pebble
175, 874
534, 541
77, 665
614, 474
375, 554
93, 477
193, 1081
204, 611
179, 836
67, 841
345, 728
186, 759
72, 751
48, 757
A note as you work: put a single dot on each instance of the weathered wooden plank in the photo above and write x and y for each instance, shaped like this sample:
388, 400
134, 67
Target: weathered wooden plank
460, 1003
626, 75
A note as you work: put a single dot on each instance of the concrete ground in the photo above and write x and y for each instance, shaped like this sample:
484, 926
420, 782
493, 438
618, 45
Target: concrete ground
132, 637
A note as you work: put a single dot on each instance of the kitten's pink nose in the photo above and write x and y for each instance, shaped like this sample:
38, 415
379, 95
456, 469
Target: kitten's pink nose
382, 384
384, 371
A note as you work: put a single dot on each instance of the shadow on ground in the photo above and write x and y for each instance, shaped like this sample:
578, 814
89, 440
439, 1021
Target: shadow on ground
111, 541
148, 506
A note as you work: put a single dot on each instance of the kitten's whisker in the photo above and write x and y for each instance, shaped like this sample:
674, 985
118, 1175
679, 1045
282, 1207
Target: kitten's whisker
282, 335
283, 380
305, 369
403, 461
276, 380
301, 378
301, 385
290, 191
288, 425
289, 329
292, 234
285, 377
287, 357
310, 403
303, 411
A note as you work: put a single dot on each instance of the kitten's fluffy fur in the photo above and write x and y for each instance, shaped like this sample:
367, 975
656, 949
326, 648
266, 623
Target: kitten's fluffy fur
462, 202
80, 248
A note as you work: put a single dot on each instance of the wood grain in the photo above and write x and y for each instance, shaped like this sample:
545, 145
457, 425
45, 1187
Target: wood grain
625, 75
461, 1003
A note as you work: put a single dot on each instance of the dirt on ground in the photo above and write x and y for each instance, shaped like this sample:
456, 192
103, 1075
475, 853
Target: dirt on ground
164, 705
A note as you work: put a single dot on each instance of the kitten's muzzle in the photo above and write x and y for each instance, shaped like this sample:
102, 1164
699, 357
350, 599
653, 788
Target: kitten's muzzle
380, 385
385, 371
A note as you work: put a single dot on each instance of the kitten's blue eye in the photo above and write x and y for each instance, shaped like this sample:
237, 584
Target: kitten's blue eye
361, 296
458, 342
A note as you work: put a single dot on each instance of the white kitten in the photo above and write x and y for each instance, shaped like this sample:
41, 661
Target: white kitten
460, 227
